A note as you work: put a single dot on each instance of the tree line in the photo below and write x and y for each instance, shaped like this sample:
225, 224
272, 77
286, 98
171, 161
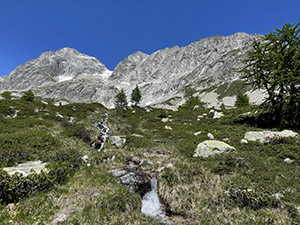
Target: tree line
121, 99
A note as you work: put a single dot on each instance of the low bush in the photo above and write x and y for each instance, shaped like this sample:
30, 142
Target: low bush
254, 199
31, 145
15, 187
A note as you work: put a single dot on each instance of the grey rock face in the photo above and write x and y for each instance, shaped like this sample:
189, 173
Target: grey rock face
166, 72
70, 75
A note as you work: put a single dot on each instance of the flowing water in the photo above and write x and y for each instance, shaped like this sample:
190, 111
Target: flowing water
151, 205
104, 130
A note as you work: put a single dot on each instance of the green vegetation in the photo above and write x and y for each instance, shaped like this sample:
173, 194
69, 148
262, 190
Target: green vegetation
242, 100
28, 96
274, 65
6, 95
136, 96
232, 188
121, 100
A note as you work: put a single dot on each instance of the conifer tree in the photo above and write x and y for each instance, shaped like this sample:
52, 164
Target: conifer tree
28, 96
241, 100
136, 96
121, 99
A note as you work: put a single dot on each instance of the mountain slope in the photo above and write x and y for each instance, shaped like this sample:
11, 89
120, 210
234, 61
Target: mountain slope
163, 75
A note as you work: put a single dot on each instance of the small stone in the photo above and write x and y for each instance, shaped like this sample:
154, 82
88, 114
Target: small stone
137, 135
168, 128
197, 133
288, 160
196, 107
59, 115
210, 136
85, 158
218, 115
244, 141
164, 120
170, 165
278, 196
226, 139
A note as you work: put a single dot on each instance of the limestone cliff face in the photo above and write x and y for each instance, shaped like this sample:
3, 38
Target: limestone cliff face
165, 73
68, 74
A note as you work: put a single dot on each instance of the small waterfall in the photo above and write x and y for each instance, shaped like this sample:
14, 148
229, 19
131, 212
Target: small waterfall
151, 205
104, 130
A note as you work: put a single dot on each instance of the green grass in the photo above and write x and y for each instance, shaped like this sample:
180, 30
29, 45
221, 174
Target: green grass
194, 190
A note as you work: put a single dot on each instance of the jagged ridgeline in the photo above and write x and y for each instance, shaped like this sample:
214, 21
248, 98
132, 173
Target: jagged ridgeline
165, 75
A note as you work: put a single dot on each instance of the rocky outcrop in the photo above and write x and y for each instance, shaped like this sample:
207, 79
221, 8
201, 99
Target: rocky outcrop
26, 168
136, 181
117, 141
212, 147
268, 136
165, 73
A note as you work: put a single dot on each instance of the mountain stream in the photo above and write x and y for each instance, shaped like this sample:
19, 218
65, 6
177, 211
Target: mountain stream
151, 205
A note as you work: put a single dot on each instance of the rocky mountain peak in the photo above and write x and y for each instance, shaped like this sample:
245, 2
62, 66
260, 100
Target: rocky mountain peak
162, 75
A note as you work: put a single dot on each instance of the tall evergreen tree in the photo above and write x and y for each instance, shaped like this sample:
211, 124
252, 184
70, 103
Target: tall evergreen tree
121, 99
136, 96
274, 65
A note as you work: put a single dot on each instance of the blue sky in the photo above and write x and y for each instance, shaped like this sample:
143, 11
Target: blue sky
110, 30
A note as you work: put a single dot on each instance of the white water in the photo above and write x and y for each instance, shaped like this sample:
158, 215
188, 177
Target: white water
151, 205
104, 129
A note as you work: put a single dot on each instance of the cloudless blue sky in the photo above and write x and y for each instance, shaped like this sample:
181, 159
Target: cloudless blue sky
110, 30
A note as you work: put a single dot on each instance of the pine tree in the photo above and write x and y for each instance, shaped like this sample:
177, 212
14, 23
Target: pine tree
274, 65
136, 96
121, 99
241, 100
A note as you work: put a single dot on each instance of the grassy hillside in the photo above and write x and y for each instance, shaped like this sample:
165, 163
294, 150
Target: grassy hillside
226, 189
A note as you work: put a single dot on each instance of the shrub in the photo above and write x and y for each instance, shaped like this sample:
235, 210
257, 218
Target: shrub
246, 197
6, 95
79, 131
28, 96
15, 187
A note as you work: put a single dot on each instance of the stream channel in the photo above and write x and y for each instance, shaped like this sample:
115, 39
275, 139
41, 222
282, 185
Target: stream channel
151, 205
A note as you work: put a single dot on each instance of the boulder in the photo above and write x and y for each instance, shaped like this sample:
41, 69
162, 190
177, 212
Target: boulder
117, 140
268, 136
212, 147
26, 168
136, 181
